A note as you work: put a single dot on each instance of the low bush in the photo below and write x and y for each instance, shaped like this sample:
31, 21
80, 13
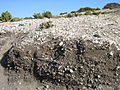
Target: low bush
87, 9
96, 9
47, 14
105, 12
28, 18
96, 13
88, 13
76, 14
15, 19
37, 16
63, 13
46, 25
69, 15
73, 11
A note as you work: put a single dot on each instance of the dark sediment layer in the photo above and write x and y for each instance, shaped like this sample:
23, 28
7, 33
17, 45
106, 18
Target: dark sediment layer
75, 63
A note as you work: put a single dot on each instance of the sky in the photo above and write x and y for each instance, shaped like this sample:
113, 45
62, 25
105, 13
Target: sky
26, 8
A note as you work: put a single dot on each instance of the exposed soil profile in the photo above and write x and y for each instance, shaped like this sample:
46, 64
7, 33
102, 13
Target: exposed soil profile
71, 63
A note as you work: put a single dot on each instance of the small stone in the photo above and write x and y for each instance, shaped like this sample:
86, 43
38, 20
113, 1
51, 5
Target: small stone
111, 53
118, 67
47, 86
20, 83
116, 74
37, 88
61, 43
99, 76
71, 70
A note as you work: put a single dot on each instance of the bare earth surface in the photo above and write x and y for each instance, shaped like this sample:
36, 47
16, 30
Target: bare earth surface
78, 53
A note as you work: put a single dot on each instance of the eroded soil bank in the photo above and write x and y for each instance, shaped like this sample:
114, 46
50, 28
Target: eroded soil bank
76, 63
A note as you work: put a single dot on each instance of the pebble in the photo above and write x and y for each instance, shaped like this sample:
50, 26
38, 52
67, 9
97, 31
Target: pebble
71, 70
61, 43
111, 53
99, 76
118, 67
20, 83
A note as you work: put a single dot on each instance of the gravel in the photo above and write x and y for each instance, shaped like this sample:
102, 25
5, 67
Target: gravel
107, 27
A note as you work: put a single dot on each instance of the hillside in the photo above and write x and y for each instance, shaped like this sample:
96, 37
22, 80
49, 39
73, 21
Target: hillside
77, 53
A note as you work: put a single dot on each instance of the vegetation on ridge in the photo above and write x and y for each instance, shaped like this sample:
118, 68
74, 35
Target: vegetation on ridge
111, 6
6, 16
87, 9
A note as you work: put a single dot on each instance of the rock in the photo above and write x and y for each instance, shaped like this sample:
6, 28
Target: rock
118, 67
71, 71
61, 43
111, 53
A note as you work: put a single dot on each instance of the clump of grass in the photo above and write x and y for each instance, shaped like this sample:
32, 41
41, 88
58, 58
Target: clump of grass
88, 13
88, 9
46, 25
96, 13
15, 19
69, 15
105, 12
28, 18
63, 13
73, 11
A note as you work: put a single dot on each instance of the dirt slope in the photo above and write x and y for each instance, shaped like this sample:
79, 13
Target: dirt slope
78, 53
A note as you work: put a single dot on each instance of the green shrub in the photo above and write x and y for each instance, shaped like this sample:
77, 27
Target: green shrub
69, 15
88, 9
47, 14
37, 16
63, 13
88, 13
73, 11
92, 13
46, 25
105, 12
76, 14
96, 9
96, 13
28, 18
85, 9
15, 19
111, 6
6, 16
